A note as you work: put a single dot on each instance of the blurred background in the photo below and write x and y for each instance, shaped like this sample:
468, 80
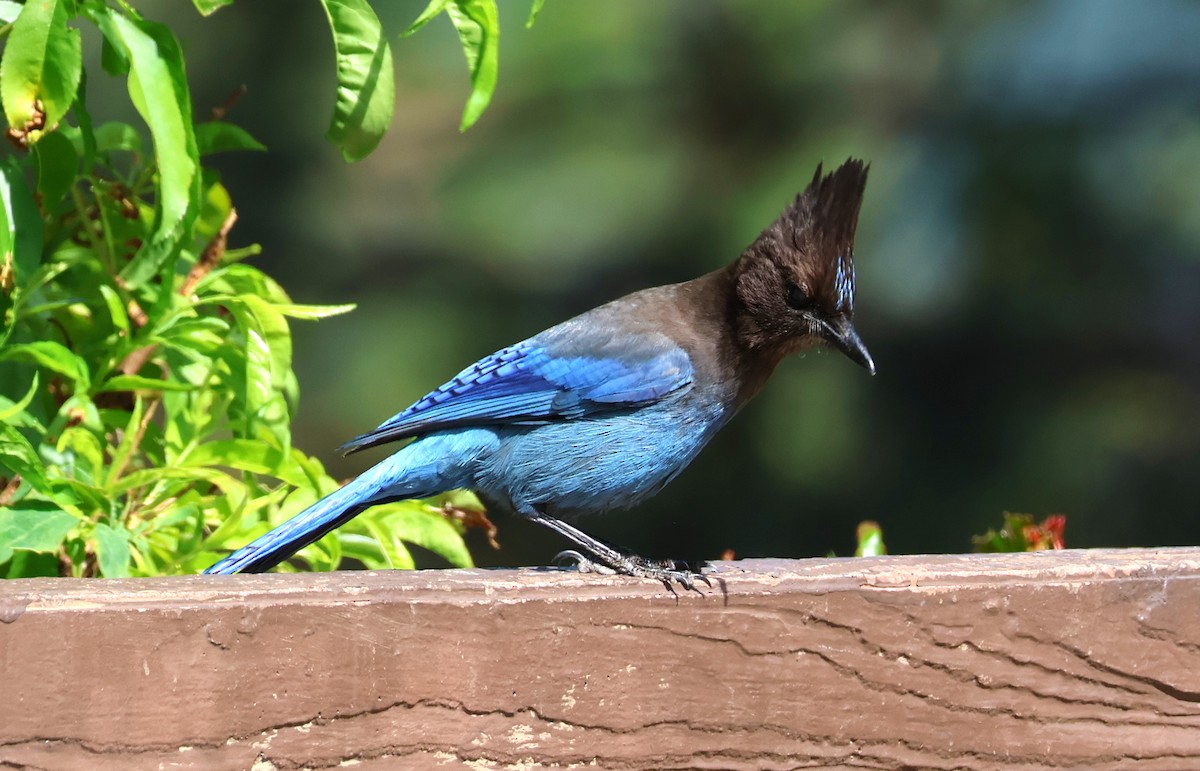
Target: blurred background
1028, 252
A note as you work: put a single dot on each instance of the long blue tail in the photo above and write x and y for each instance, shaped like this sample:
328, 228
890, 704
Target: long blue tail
267, 551
431, 465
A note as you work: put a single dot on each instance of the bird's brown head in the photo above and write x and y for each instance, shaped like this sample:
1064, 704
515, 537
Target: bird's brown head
795, 283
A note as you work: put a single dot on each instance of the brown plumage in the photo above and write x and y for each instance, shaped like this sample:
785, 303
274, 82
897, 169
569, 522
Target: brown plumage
787, 280
781, 296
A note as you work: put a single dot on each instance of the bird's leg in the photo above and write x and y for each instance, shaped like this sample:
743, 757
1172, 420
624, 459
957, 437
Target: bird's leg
603, 557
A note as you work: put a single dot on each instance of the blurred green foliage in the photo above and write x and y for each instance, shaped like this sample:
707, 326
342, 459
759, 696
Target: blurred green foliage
1020, 533
146, 382
870, 539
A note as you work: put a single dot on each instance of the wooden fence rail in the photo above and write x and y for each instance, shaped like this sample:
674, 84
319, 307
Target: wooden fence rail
1076, 659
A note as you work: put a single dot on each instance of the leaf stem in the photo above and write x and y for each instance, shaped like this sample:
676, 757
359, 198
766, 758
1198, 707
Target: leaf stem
137, 440
105, 228
85, 222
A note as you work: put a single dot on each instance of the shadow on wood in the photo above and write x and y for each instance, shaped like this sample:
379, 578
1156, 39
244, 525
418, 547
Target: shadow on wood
1084, 659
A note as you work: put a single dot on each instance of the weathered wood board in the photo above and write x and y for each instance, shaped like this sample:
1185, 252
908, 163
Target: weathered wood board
1076, 659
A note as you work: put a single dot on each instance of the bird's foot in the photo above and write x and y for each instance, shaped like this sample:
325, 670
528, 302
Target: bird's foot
669, 572
582, 564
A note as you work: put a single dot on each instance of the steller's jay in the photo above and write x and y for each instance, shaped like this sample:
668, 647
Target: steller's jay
603, 410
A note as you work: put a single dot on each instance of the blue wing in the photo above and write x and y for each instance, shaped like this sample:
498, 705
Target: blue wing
567, 372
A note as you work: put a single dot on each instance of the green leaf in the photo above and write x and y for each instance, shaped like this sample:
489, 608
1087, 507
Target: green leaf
268, 324
246, 455
201, 334
870, 540
215, 205
422, 525
366, 549
229, 486
158, 88
87, 135
209, 7
27, 564
366, 91
117, 136
37, 526
139, 383
278, 338
42, 62
80, 450
116, 308
53, 356
395, 554
429, 14
57, 164
534, 10
114, 58
217, 136
17, 456
16, 408
112, 551
20, 226
313, 312
121, 455
267, 362
80, 408
43, 274
478, 25
246, 280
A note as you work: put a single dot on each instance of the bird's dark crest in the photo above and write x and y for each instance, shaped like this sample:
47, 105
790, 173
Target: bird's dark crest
831, 204
818, 226
809, 247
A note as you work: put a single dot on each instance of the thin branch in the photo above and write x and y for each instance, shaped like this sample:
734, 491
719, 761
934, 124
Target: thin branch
10, 490
211, 257
135, 360
85, 222
105, 225
137, 438
221, 110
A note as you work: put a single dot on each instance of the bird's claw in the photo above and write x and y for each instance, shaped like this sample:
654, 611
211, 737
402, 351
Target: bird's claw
669, 572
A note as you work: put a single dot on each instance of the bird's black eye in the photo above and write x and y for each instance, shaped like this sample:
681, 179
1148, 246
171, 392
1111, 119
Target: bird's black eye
798, 298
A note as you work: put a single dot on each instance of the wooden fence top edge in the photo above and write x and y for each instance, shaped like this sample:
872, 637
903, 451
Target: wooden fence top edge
924, 573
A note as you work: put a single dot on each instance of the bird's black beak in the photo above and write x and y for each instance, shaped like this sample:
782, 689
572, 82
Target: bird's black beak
840, 332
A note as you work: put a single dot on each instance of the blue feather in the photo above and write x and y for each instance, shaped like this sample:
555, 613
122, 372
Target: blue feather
532, 383
844, 284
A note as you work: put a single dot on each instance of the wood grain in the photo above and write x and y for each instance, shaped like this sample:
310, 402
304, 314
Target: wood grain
1076, 659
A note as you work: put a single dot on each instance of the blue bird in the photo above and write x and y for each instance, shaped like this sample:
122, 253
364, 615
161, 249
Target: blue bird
603, 410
